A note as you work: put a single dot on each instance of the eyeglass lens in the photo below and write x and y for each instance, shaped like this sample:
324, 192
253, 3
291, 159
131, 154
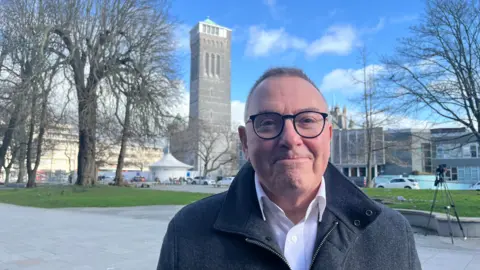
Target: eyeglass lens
307, 124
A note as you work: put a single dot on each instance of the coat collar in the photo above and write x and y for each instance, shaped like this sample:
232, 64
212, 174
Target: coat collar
240, 212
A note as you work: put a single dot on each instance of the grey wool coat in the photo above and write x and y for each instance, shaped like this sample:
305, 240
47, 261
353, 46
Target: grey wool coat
226, 231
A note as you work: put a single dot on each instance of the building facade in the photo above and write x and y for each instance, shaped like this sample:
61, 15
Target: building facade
210, 100
349, 151
459, 150
210, 46
407, 151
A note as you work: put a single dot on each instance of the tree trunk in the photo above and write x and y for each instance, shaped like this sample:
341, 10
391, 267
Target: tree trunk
22, 153
7, 175
8, 136
123, 144
87, 106
31, 179
32, 170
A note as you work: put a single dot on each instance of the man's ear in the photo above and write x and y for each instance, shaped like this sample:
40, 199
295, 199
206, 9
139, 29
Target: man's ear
242, 133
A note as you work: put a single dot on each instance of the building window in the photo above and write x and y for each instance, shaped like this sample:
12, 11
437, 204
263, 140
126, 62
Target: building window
440, 151
204, 28
207, 62
212, 67
475, 174
218, 65
217, 31
473, 151
454, 174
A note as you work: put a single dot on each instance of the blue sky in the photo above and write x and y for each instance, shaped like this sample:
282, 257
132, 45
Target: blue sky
321, 37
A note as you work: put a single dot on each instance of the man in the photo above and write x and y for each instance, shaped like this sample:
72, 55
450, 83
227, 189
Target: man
288, 208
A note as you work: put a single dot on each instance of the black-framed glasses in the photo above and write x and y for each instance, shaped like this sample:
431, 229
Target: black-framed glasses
269, 125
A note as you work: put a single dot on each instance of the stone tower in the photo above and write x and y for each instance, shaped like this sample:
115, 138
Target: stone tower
210, 46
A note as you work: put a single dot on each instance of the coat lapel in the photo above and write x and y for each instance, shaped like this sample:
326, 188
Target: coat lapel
240, 212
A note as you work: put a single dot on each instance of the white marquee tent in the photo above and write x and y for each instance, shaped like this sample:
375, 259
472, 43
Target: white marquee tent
168, 167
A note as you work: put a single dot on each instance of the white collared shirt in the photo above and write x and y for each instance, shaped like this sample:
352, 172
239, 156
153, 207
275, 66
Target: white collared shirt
296, 241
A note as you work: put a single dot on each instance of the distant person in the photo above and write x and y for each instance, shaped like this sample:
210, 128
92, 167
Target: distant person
288, 207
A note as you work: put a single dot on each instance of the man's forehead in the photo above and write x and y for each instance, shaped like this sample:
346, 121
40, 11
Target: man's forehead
286, 91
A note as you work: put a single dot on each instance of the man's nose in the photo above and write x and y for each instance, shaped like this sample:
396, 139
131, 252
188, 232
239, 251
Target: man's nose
289, 136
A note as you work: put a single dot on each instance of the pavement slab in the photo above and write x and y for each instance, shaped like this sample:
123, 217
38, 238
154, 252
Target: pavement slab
131, 237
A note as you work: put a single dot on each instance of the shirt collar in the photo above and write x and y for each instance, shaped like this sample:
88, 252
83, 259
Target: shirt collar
320, 198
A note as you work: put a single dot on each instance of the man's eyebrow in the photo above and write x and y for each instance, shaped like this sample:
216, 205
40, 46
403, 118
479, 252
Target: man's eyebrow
297, 111
308, 109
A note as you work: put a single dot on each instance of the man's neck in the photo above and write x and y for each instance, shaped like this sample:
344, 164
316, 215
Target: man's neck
294, 204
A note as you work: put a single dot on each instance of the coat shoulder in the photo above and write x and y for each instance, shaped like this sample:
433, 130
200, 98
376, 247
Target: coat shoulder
392, 216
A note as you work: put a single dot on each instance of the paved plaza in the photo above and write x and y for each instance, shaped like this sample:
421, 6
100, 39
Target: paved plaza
130, 238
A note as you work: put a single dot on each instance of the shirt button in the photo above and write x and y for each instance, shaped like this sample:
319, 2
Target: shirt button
294, 239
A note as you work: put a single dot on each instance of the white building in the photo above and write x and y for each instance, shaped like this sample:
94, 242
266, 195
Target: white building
168, 168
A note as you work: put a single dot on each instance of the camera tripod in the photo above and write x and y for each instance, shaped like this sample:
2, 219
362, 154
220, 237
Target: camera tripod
449, 204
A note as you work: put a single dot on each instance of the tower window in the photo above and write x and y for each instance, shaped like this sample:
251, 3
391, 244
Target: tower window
212, 67
218, 65
207, 62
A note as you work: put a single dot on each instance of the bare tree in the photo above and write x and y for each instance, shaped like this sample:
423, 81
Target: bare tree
94, 36
213, 145
10, 159
435, 71
23, 33
375, 115
38, 118
145, 88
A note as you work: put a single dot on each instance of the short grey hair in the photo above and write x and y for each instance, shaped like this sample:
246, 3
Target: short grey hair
280, 72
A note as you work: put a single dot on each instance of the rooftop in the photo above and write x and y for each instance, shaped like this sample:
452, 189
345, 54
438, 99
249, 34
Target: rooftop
208, 21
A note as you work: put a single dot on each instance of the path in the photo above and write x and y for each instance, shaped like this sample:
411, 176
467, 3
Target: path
130, 238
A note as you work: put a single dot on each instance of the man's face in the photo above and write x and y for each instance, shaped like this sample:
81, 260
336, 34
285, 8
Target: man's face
289, 162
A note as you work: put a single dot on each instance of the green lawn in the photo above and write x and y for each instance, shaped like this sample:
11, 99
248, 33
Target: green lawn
101, 196
467, 202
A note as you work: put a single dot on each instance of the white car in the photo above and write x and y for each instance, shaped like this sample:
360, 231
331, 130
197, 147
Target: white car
201, 180
475, 186
226, 181
400, 183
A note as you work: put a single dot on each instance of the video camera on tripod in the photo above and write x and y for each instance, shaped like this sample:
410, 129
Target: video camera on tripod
441, 184
440, 176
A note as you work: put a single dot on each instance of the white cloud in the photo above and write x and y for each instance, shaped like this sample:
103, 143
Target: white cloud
403, 19
339, 39
238, 110
347, 81
270, 3
380, 25
182, 37
263, 42
183, 107
276, 10
396, 121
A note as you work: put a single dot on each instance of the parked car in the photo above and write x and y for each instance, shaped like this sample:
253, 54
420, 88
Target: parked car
475, 186
400, 183
202, 180
226, 181
360, 181
106, 180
